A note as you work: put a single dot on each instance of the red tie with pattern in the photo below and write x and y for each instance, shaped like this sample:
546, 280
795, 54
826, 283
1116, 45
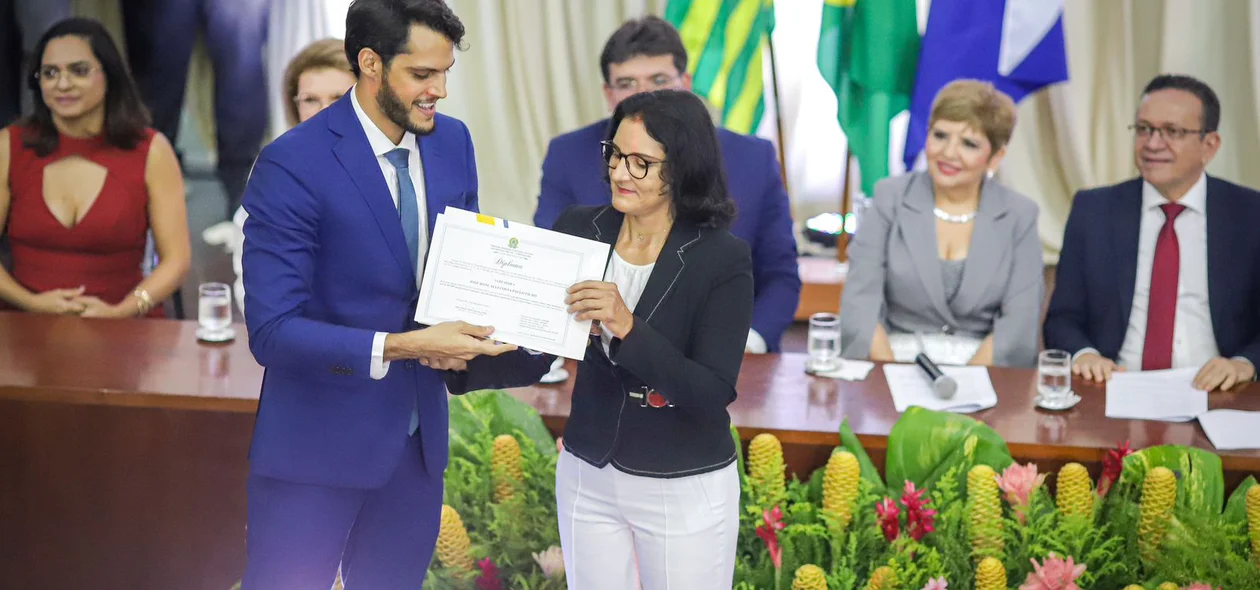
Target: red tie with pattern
1161, 309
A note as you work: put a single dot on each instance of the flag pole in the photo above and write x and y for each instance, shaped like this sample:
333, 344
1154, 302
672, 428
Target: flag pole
778, 117
846, 205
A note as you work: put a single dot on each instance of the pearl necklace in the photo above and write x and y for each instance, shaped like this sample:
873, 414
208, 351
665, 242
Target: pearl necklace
948, 218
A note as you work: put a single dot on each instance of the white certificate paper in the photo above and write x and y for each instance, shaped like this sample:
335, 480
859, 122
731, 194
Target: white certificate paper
486, 271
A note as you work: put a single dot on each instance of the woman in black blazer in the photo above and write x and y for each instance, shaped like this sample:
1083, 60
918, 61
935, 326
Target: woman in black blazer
647, 486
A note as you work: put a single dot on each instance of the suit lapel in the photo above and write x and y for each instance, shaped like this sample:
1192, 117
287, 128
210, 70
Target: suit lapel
437, 187
986, 251
356, 157
1218, 233
918, 231
669, 264
1127, 219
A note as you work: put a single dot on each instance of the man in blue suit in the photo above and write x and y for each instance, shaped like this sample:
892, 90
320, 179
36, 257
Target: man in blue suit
351, 436
648, 54
1160, 271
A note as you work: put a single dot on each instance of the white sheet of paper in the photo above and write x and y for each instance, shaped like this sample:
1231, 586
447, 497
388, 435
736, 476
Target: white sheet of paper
910, 387
1231, 430
486, 271
1168, 395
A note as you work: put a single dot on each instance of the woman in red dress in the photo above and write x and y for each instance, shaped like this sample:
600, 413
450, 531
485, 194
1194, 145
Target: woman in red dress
82, 180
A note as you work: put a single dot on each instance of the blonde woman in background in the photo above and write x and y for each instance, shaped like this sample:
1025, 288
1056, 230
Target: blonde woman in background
947, 261
316, 78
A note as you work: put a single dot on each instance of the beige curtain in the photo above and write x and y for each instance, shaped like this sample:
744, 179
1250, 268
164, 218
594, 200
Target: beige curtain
1075, 135
531, 72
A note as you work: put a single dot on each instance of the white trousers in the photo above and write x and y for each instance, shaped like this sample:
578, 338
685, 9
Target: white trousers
621, 531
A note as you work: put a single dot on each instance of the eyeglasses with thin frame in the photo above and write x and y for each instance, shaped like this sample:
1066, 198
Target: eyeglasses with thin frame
78, 72
636, 164
656, 82
1168, 133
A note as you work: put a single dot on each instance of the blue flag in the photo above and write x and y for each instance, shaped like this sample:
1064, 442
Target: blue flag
1015, 44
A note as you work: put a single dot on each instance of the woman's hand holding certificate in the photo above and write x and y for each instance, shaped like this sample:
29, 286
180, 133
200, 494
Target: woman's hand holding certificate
600, 301
486, 271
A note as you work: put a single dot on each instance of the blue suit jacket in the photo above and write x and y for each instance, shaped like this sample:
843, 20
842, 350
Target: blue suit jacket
573, 173
1093, 293
325, 267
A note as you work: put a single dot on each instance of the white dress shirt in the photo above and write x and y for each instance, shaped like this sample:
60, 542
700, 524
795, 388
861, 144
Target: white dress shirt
1194, 342
382, 145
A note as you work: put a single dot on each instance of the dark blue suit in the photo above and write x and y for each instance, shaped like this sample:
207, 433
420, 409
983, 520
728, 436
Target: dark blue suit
334, 475
1094, 283
573, 174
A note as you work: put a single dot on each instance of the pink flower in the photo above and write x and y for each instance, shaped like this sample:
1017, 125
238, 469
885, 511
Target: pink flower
489, 578
769, 533
1054, 573
888, 513
1199, 586
1112, 465
1019, 482
920, 520
937, 584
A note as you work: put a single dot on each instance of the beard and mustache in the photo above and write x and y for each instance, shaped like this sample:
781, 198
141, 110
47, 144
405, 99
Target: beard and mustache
399, 112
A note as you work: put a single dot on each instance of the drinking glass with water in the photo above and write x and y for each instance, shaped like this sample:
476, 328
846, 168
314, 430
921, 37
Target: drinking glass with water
824, 342
214, 312
1054, 377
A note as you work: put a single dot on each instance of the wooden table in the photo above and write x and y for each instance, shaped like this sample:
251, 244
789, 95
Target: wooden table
123, 443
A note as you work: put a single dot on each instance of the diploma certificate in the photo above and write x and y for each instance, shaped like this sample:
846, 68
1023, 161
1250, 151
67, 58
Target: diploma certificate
486, 271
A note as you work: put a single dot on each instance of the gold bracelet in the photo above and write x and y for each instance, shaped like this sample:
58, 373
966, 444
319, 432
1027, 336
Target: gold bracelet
145, 303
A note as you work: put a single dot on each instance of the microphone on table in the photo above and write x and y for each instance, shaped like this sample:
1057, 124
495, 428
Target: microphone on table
943, 385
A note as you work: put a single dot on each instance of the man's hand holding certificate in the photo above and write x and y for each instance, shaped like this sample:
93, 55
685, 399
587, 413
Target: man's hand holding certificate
488, 272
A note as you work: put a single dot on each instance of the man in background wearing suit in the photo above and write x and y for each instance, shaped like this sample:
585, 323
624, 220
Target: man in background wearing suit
648, 54
350, 441
1160, 271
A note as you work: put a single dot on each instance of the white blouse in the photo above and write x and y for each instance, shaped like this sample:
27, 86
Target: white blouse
630, 280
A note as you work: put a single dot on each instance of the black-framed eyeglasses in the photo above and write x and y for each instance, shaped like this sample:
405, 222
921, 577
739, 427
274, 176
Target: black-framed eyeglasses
78, 72
636, 164
1168, 133
656, 82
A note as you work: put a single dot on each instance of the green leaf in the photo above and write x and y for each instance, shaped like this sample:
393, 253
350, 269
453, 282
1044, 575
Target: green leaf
1200, 479
849, 442
1236, 506
924, 444
495, 412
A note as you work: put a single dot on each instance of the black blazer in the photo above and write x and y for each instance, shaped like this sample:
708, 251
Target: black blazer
691, 326
1094, 284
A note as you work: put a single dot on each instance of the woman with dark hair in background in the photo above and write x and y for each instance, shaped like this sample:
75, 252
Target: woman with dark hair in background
647, 488
82, 181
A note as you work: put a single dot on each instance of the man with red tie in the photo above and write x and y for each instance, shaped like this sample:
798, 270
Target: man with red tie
1163, 271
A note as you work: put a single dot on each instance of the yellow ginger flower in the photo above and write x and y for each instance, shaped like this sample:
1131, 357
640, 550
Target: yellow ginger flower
1168, 586
990, 575
840, 486
452, 541
1075, 497
809, 577
505, 466
984, 511
766, 469
881, 579
1253, 521
1159, 493
1134, 587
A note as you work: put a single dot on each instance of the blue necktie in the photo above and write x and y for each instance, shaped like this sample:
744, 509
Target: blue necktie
409, 211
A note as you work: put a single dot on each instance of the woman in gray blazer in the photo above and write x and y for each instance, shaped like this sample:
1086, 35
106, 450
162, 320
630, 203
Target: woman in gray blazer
947, 261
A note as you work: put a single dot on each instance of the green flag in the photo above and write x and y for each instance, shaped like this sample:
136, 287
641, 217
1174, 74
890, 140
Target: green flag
724, 40
868, 51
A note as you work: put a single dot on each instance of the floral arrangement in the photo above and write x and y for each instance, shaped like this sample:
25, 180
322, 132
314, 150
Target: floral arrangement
952, 510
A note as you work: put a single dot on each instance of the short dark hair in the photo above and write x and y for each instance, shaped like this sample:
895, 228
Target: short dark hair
679, 121
385, 25
1211, 118
649, 36
126, 117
